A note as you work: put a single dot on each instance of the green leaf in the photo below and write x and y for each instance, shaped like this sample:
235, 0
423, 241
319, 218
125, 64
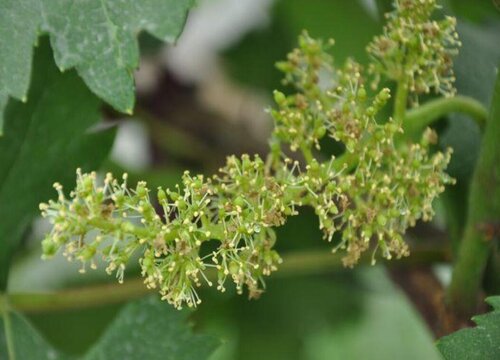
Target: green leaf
19, 22
3, 102
97, 37
145, 329
481, 342
19, 340
87, 326
151, 329
45, 140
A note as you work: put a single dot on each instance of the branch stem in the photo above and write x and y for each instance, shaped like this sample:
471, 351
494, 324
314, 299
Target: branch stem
303, 263
400, 101
482, 220
417, 119
307, 153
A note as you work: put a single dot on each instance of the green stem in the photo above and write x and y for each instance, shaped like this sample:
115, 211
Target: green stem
4, 311
310, 262
468, 272
482, 220
107, 226
80, 298
347, 161
417, 119
400, 101
306, 151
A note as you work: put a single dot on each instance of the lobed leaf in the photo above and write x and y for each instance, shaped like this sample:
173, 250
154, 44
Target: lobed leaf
147, 329
481, 342
144, 329
44, 139
97, 37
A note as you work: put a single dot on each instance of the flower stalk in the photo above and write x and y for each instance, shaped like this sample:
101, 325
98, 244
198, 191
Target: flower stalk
422, 116
401, 102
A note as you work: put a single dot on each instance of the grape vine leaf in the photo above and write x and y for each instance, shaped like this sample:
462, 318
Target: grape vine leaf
46, 139
3, 102
144, 329
481, 342
97, 37
151, 329
19, 340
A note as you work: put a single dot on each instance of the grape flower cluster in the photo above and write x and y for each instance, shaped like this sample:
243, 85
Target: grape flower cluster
214, 229
416, 49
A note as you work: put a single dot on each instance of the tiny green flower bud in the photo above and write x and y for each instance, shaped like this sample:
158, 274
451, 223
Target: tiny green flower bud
279, 98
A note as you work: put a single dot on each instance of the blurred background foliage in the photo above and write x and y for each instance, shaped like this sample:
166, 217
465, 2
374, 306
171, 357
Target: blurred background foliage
202, 100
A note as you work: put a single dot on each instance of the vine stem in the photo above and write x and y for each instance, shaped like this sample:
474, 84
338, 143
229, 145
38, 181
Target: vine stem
307, 153
400, 101
304, 263
417, 119
483, 214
